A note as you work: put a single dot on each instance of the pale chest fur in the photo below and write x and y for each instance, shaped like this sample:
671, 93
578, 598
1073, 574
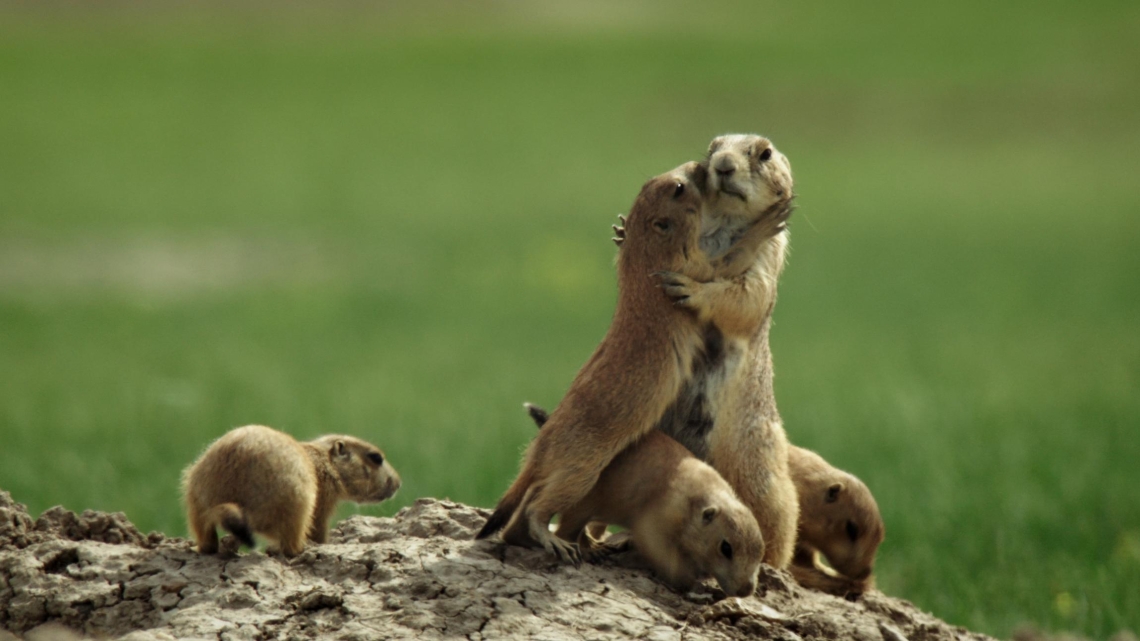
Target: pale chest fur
726, 372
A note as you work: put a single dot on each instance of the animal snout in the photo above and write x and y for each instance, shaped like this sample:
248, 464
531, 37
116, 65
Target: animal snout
747, 589
724, 166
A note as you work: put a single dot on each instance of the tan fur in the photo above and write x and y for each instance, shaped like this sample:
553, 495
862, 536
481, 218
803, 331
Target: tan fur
677, 510
679, 513
833, 506
633, 375
727, 413
280, 488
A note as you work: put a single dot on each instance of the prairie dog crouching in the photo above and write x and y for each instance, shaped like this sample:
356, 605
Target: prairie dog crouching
257, 479
838, 518
682, 517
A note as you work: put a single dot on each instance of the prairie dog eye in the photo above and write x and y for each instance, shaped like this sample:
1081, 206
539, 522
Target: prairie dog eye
678, 190
726, 549
663, 224
376, 458
765, 155
852, 530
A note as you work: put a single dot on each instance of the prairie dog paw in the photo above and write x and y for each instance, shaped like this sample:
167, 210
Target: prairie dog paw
680, 288
566, 551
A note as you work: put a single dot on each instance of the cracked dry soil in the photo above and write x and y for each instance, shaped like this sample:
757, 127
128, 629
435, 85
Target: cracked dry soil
417, 576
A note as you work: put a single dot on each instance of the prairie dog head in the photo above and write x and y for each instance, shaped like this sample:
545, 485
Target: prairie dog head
746, 175
361, 468
838, 515
664, 222
724, 540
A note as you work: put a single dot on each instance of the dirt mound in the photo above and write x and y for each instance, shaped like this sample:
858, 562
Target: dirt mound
418, 575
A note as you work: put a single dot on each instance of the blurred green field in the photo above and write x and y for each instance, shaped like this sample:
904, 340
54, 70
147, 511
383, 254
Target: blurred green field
395, 223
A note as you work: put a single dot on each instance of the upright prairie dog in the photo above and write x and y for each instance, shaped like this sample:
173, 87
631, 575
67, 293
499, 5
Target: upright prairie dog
838, 518
256, 479
682, 517
727, 414
634, 374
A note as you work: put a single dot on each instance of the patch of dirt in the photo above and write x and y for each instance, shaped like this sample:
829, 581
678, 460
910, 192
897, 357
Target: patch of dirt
416, 576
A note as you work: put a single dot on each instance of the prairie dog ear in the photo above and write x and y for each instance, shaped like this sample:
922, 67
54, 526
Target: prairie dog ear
833, 492
709, 514
339, 449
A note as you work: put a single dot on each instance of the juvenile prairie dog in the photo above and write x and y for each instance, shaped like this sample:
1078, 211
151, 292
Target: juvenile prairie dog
256, 479
838, 518
633, 375
726, 413
681, 516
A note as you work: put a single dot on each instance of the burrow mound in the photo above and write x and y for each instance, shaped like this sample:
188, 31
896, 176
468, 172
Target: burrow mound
418, 575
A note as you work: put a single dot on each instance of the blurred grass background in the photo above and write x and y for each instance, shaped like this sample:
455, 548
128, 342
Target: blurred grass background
393, 221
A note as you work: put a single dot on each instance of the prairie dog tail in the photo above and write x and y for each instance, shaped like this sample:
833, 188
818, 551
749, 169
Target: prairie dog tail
232, 519
537, 414
508, 505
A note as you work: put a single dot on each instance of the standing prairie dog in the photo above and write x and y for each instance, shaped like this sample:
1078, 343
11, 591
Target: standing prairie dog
838, 518
726, 413
634, 374
682, 517
256, 479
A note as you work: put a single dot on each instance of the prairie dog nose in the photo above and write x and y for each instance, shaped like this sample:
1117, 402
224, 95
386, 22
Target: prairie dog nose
747, 590
724, 166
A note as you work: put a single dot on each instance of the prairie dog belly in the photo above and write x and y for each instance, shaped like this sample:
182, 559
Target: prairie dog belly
700, 405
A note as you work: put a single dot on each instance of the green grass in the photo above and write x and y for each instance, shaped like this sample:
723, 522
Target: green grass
396, 225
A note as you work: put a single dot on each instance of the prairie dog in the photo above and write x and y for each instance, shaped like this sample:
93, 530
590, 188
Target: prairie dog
633, 375
682, 517
256, 479
726, 414
838, 518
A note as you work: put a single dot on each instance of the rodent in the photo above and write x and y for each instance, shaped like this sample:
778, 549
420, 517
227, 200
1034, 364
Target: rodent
633, 375
257, 479
838, 518
726, 413
681, 516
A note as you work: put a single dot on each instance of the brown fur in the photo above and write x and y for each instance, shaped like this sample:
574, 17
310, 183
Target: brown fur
727, 413
838, 518
633, 375
678, 512
682, 517
257, 479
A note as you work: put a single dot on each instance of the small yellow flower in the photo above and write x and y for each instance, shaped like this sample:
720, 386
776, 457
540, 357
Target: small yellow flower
1063, 603
1127, 548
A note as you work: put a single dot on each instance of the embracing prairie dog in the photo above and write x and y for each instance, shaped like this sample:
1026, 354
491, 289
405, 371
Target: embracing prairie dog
633, 375
838, 518
726, 414
681, 516
256, 479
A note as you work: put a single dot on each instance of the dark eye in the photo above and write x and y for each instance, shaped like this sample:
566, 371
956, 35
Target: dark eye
766, 154
726, 549
678, 190
662, 224
376, 458
852, 530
